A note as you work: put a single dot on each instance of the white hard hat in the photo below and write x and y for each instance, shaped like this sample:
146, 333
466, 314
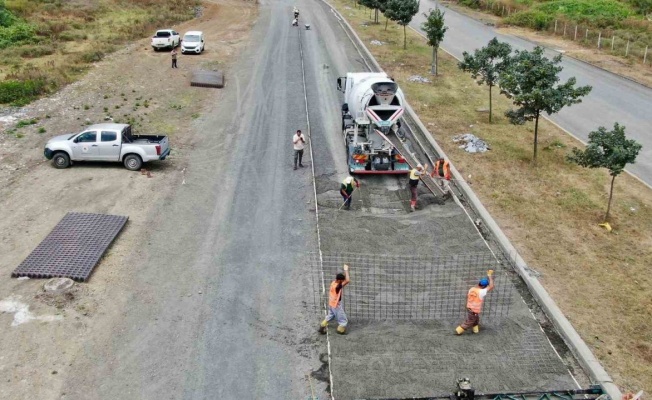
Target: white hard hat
419, 166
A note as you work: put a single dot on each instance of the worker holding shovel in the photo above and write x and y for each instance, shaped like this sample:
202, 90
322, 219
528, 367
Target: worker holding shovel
346, 190
413, 183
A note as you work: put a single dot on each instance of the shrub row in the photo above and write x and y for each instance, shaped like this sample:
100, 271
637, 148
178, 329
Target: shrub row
19, 93
598, 13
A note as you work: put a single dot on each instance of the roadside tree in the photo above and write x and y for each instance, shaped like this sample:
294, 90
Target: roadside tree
531, 83
607, 149
487, 64
435, 30
402, 11
374, 5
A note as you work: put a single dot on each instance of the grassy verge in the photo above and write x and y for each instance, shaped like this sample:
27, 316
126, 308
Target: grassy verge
550, 212
47, 44
621, 27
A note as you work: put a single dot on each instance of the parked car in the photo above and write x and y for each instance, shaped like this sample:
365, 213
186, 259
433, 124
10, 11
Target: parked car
193, 42
107, 142
165, 39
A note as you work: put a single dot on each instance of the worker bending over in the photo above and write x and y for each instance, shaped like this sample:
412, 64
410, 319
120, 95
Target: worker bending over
474, 301
335, 308
442, 173
415, 175
346, 190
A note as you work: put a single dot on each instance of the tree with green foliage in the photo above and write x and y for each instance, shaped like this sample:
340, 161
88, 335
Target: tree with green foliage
607, 149
435, 30
642, 6
374, 5
402, 11
487, 64
382, 6
531, 82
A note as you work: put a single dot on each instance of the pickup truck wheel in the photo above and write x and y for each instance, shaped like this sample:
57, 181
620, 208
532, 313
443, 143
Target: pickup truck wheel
133, 162
61, 160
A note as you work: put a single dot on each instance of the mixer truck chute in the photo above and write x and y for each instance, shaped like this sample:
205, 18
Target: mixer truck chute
372, 108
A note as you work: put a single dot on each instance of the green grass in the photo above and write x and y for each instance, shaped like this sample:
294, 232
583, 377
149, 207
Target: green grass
26, 122
598, 13
19, 93
47, 44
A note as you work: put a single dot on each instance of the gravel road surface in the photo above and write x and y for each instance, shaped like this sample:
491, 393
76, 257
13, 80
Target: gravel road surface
613, 99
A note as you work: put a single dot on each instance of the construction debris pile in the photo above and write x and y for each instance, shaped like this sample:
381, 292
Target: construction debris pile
377, 43
418, 78
471, 143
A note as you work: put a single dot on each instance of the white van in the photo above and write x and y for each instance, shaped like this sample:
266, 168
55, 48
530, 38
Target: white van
193, 42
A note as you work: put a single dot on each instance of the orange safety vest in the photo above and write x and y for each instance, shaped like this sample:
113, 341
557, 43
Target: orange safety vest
447, 170
473, 300
334, 297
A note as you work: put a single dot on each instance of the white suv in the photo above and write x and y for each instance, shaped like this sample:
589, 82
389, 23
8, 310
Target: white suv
193, 42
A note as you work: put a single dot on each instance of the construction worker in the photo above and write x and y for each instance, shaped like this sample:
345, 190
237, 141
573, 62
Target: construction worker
346, 190
474, 301
442, 172
335, 308
415, 175
173, 53
299, 142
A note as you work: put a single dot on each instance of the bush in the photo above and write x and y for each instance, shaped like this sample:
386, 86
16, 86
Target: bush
36, 51
471, 3
642, 6
589, 11
91, 56
599, 13
6, 18
19, 93
72, 36
531, 19
16, 34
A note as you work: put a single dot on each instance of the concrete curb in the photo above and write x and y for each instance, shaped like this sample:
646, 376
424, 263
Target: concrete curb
581, 351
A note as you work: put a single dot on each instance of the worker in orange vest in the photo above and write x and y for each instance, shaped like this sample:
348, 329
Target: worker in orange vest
442, 172
474, 301
335, 308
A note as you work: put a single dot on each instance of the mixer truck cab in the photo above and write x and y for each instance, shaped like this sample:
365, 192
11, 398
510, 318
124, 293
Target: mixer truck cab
372, 108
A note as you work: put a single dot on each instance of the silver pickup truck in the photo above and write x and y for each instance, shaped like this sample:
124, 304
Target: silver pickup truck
107, 142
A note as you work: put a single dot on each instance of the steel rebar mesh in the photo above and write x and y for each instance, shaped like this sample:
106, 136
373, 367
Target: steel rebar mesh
400, 287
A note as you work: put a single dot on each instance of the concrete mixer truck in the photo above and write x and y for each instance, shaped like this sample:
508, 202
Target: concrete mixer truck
373, 105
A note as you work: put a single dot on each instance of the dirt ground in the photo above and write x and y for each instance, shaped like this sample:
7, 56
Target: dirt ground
134, 84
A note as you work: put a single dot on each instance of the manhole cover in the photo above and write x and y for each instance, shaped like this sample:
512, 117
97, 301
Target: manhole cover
73, 248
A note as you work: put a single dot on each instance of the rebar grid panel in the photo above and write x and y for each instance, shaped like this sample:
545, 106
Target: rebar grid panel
400, 287
73, 247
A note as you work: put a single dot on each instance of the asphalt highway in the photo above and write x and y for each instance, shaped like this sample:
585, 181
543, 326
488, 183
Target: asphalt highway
613, 99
